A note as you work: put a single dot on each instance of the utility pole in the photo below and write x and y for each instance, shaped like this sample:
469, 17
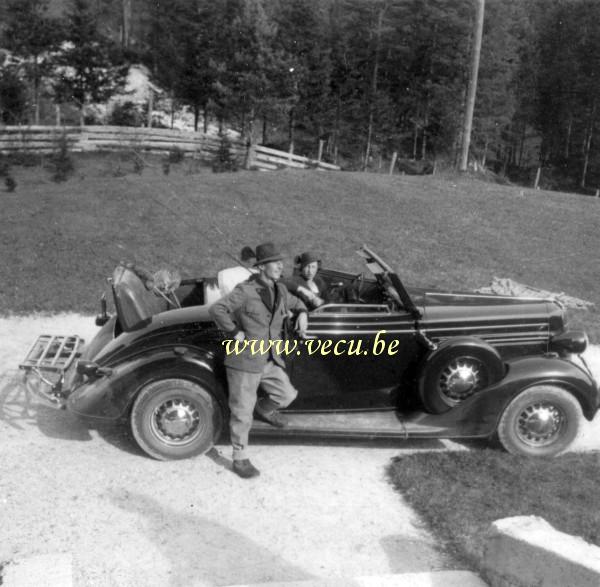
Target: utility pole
125, 23
470, 106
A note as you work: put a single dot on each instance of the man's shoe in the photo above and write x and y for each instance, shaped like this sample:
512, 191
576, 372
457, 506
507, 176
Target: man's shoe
245, 469
275, 418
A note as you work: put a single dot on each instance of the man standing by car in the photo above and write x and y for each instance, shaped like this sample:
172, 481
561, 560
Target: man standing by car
256, 310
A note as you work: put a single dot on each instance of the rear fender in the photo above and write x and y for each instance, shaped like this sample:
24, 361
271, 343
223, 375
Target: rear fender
104, 336
110, 397
479, 414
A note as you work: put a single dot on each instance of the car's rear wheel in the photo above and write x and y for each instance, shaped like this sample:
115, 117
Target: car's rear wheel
542, 421
175, 419
455, 373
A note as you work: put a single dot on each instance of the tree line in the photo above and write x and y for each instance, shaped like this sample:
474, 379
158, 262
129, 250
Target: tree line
367, 77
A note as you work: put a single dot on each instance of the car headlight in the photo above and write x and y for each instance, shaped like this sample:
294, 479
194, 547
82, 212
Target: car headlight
571, 341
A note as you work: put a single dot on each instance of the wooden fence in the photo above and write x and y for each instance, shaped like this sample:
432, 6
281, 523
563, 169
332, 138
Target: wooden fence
46, 139
267, 159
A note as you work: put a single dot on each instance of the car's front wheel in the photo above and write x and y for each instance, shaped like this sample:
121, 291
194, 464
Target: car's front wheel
542, 421
175, 419
456, 372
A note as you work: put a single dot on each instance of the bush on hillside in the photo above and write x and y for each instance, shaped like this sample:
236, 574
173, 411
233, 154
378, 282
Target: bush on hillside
138, 163
224, 159
5, 172
175, 155
61, 163
126, 114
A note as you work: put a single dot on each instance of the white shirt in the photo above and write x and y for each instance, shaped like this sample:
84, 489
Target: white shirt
229, 278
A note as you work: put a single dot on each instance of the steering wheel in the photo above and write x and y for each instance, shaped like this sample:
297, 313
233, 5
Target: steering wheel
355, 289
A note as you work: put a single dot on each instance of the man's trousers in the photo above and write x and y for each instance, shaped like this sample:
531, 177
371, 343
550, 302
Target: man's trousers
243, 387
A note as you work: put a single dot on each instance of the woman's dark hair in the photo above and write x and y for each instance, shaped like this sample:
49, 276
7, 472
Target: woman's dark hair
247, 254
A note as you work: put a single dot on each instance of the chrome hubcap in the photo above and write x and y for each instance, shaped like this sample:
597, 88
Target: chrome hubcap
176, 421
540, 424
460, 379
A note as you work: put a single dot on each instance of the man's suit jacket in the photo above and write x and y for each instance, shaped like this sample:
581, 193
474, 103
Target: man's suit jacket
249, 308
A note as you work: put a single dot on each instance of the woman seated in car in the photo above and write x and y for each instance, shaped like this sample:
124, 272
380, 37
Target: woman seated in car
305, 283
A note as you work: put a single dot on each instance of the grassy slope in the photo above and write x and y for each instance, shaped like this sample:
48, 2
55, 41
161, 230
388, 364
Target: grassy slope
58, 241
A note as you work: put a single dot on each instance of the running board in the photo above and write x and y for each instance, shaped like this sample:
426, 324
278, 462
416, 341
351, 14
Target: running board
374, 424
367, 424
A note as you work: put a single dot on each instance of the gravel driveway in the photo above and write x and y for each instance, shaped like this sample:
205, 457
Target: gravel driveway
318, 510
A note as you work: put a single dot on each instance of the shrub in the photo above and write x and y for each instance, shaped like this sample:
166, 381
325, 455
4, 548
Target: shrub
4, 166
61, 163
126, 114
10, 183
176, 155
5, 172
138, 163
224, 160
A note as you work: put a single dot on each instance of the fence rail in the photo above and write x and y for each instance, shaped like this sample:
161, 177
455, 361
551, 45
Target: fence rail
45, 139
270, 159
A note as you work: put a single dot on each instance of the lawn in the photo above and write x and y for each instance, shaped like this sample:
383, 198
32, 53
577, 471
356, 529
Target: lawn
459, 494
58, 241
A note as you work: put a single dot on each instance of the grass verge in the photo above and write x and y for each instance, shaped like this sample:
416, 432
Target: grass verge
459, 494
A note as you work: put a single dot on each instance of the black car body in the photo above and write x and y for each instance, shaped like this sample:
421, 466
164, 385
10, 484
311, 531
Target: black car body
464, 366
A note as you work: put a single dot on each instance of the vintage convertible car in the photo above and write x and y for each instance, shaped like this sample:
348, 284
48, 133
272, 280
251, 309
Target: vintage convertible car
464, 365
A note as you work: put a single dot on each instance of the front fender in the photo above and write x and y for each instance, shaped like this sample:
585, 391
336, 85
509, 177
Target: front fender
553, 370
110, 397
479, 414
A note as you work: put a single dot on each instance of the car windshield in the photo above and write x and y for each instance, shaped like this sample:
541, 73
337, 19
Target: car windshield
388, 280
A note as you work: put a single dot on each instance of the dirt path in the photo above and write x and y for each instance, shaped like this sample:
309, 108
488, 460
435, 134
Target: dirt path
317, 510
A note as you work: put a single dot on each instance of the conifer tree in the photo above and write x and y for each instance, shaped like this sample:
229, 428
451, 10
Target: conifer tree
92, 69
32, 35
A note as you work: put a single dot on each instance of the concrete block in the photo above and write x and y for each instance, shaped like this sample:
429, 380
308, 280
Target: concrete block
47, 570
526, 551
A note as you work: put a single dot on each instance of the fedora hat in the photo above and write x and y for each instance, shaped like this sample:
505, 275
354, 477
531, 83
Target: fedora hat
308, 257
266, 253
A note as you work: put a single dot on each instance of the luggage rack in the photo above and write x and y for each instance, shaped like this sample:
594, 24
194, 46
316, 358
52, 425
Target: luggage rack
52, 355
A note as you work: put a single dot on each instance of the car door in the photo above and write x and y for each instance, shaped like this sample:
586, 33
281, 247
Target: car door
354, 358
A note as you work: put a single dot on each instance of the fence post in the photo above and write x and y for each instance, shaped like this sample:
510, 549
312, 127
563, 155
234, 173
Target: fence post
150, 106
250, 154
320, 155
598, 193
393, 163
537, 178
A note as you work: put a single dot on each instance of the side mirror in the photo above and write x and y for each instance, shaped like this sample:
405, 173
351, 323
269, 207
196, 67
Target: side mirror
103, 317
